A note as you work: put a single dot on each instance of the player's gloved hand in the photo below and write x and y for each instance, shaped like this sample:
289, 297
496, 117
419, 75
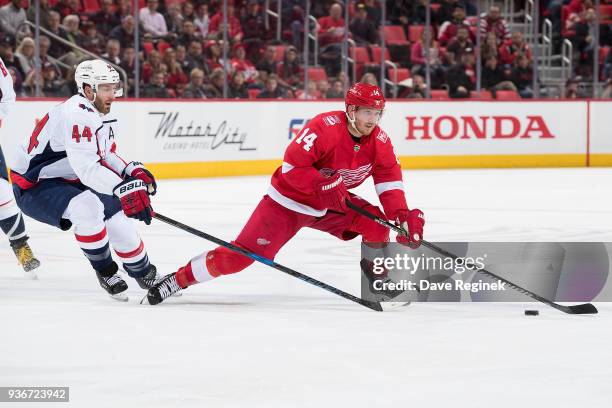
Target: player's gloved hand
134, 199
137, 170
413, 222
332, 193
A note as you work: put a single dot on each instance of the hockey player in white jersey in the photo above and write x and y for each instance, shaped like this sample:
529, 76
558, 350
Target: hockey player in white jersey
68, 173
11, 219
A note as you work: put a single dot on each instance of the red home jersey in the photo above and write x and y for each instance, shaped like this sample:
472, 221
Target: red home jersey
325, 146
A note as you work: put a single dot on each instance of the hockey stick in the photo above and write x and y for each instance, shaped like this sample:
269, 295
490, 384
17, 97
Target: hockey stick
585, 308
367, 303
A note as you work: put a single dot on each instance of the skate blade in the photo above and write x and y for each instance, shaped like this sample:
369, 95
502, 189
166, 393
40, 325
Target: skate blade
120, 297
145, 300
177, 294
388, 306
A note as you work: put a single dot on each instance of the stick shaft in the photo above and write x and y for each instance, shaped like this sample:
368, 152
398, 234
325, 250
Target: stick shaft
369, 304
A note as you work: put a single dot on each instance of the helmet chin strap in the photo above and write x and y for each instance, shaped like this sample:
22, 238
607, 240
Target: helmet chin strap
353, 124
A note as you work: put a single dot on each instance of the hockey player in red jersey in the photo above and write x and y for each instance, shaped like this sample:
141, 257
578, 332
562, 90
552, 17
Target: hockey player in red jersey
335, 151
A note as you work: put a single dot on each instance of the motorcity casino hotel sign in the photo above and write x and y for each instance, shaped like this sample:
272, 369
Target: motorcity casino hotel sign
559, 271
180, 132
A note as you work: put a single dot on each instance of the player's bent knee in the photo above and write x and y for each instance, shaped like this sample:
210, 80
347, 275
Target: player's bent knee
372, 231
223, 261
86, 209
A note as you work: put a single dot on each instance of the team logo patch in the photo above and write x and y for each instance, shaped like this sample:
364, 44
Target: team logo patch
382, 136
82, 106
331, 120
262, 241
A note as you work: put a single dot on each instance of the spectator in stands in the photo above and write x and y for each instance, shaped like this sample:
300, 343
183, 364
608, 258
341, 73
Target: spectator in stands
156, 88
188, 11
272, 90
237, 88
489, 47
124, 32
460, 43
509, 50
459, 77
571, 89
323, 88
373, 10
369, 78
152, 21
51, 85
414, 88
174, 18
253, 21
195, 89
417, 57
522, 76
331, 27
105, 18
11, 17
268, 62
362, 28
584, 41
181, 57
188, 34
43, 46
336, 91
67, 7
124, 8
448, 30
25, 55
202, 19
8, 56
290, 70
447, 8
43, 15
254, 29
331, 35
215, 28
215, 56
58, 49
311, 92
215, 88
240, 63
176, 78
493, 22
92, 41
73, 33
113, 51
494, 77
128, 63
17, 81
151, 65
195, 57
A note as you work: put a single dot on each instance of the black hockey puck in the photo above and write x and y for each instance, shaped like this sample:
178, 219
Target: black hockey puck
531, 313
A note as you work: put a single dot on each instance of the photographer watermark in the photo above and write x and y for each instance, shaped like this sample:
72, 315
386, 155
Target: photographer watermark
563, 271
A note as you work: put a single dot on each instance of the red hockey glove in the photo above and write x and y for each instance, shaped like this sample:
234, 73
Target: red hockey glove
413, 222
134, 199
332, 193
137, 170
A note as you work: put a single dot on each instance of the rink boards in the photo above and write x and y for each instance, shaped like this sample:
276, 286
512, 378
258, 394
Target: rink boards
212, 138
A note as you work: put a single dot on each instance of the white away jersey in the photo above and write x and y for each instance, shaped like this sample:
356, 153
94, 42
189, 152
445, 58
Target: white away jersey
72, 142
7, 93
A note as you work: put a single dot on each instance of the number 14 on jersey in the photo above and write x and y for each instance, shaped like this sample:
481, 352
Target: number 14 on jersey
307, 138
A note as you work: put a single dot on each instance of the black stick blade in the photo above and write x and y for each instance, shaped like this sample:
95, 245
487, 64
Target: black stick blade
585, 308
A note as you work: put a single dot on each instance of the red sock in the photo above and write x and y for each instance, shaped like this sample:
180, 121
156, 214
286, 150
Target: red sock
184, 276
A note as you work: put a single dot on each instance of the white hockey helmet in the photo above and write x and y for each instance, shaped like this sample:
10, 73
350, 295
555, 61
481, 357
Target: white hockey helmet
94, 73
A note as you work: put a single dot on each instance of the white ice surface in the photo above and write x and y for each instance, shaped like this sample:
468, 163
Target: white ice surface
264, 339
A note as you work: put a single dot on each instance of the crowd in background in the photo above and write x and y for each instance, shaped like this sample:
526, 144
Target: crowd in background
181, 48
